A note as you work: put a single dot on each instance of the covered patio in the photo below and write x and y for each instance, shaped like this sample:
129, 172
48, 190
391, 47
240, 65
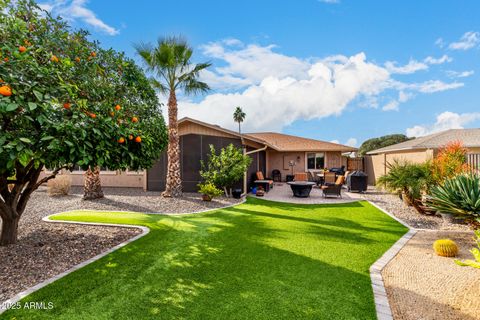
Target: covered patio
281, 192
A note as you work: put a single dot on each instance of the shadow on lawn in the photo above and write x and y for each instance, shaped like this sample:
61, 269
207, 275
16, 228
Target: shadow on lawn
239, 263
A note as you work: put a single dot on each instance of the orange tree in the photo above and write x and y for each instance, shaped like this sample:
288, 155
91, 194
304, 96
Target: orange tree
64, 102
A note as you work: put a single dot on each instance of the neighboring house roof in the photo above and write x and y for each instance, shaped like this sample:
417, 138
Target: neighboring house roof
285, 142
469, 137
279, 141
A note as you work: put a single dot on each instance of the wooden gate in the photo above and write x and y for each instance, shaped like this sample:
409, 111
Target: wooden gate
473, 161
355, 164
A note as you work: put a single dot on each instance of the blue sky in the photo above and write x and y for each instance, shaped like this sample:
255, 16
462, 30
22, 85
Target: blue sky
334, 70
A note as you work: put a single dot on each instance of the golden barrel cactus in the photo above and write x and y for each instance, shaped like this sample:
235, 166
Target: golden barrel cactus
445, 248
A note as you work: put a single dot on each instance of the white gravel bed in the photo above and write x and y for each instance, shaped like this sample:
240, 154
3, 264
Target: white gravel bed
393, 204
44, 249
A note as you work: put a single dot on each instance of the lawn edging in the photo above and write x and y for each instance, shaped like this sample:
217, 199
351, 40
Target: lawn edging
382, 306
23, 294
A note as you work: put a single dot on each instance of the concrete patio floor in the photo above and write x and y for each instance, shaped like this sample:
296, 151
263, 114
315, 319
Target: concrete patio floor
282, 192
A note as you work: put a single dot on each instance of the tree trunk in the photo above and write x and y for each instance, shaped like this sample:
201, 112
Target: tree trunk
92, 187
173, 186
9, 231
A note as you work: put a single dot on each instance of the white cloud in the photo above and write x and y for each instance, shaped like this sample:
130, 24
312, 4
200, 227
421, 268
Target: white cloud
275, 89
391, 106
352, 142
411, 67
251, 63
442, 59
446, 120
462, 74
469, 40
77, 10
440, 42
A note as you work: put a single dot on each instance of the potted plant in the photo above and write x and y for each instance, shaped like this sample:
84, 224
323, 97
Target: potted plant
457, 197
209, 191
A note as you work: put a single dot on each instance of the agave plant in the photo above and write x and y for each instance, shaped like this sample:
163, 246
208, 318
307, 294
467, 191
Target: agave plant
476, 255
459, 196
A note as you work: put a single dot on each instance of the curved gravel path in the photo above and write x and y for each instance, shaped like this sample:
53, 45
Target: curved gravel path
44, 249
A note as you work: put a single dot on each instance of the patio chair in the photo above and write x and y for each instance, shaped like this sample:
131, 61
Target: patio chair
329, 178
334, 189
300, 176
313, 176
267, 184
276, 175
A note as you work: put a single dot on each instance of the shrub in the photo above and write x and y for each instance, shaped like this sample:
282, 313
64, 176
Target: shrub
445, 248
449, 162
476, 255
209, 189
459, 196
407, 179
226, 168
60, 186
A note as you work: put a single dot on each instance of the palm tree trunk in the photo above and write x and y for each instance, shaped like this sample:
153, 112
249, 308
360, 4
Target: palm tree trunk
239, 129
92, 187
173, 186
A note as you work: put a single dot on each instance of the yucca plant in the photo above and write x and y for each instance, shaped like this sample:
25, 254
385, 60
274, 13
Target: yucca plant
459, 196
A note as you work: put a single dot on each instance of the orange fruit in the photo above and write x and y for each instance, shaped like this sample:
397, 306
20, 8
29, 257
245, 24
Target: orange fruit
134, 119
54, 59
5, 59
117, 107
138, 139
22, 49
112, 113
5, 91
93, 115
130, 137
121, 140
93, 54
67, 105
77, 59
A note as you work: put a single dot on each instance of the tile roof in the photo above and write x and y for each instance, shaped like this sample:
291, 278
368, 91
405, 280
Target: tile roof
279, 141
469, 137
285, 142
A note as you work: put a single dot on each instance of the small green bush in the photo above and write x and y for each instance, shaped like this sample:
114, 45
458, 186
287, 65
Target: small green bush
459, 196
209, 189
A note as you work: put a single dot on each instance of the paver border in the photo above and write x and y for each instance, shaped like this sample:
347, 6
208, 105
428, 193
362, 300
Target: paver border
382, 306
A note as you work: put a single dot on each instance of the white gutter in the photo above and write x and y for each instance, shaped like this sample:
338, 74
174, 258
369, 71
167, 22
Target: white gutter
245, 173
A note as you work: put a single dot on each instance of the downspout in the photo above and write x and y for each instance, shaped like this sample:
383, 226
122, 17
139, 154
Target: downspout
245, 173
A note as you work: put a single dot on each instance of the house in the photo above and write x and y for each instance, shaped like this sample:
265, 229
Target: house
269, 151
419, 150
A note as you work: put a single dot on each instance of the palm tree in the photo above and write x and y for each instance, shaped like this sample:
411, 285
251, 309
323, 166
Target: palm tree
239, 116
170, 64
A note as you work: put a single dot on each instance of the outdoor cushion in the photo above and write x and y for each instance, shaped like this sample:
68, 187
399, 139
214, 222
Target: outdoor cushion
300, 176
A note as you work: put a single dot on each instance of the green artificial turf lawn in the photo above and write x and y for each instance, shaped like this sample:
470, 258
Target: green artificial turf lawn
257, 260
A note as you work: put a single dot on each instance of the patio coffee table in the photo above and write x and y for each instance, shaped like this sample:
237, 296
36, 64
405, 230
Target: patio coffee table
301, 189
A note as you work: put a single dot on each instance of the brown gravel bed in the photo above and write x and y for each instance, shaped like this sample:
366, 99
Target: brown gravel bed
422, 285
46, 249
395, 206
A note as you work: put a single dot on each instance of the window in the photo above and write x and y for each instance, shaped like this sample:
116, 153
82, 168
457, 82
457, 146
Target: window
315, 160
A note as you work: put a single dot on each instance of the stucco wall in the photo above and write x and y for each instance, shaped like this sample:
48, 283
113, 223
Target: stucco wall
279, 160
110, 179
376, 165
